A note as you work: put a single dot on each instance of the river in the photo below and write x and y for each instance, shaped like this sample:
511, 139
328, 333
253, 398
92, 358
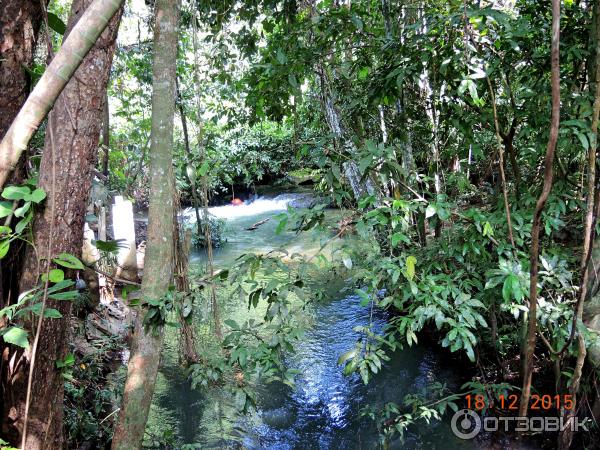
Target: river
323, 410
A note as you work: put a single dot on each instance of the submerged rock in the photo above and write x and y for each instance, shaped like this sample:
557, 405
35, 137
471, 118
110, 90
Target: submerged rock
279, 418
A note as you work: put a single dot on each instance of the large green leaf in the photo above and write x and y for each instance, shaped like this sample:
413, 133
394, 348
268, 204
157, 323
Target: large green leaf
69, 261
15, 192
56, 24
16, 336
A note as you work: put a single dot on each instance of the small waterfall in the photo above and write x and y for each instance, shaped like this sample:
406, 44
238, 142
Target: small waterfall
256, 206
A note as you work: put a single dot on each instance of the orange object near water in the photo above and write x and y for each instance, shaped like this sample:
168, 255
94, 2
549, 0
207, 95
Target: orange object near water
237, 201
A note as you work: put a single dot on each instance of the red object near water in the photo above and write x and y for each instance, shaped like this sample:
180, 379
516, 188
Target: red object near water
237, 201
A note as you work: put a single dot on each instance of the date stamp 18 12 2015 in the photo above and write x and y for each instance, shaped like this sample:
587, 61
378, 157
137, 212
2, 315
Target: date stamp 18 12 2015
510, 402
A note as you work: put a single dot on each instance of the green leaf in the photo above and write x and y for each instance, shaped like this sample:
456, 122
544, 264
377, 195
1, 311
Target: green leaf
293, 81
364, 297
364, 164
55, 276
487, 229
204, 168
20, 212
5, 209
60, 286
510, 286
52, 313
4, 246
411, 261
68, 361
357, 22
70, 295
583, 139
69, 261
16, 336
106, 246
430, 211
37, 196
350, 354
20, 226
399, 237
472, 90
15, 192
443, 213
56, 24
281, 225
281, 57
231, 324
335, 169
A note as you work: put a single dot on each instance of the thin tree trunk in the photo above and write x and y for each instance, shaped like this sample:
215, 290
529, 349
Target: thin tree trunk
207, 233
188, 151
500, 145
74, 48
105, 136
537, 216
158, 268
566, 436
65, 172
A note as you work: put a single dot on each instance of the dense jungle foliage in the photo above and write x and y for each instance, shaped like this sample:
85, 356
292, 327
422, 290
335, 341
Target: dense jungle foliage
449, 150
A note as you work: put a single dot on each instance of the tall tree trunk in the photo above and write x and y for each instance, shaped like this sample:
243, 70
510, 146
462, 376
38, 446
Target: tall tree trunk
70, 153
537, 215
19, 28
74, 48
158, 269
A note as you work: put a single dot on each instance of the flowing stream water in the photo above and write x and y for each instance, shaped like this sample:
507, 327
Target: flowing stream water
323, 410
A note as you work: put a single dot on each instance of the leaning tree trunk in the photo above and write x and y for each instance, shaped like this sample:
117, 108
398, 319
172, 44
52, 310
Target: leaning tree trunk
158, 268
65, 173
74, 48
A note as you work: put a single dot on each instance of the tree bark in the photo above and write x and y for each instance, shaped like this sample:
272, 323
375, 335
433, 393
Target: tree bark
70, 153
105, 136
74, 48
19, 27
537, 215
158, 269
360, 187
